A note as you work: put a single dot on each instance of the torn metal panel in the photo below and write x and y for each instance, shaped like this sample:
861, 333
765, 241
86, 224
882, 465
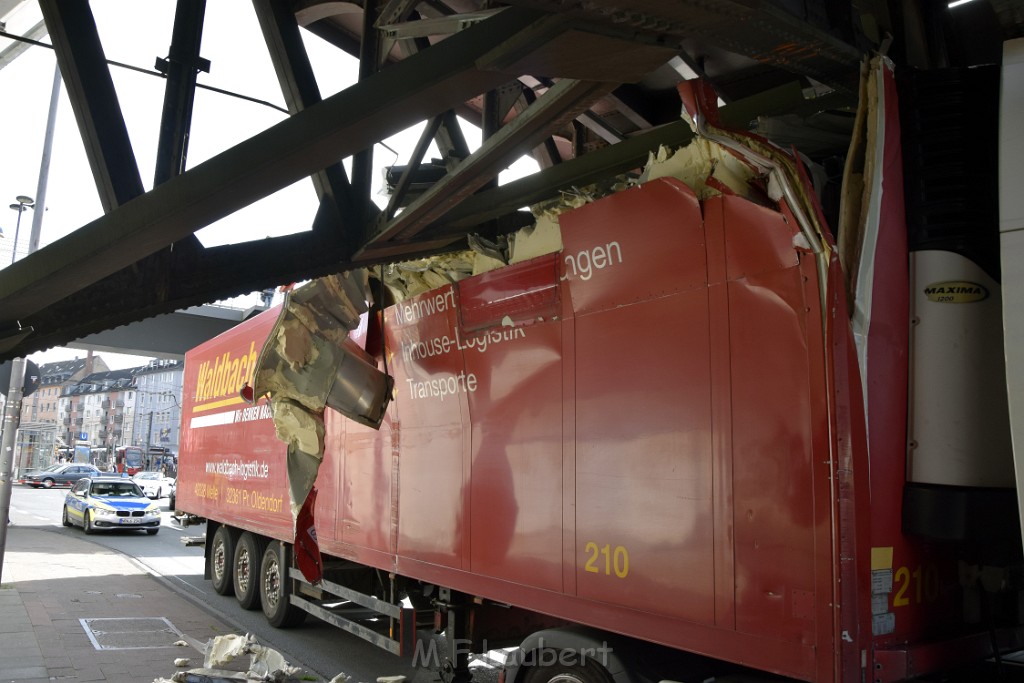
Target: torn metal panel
265, 664
310, 360
785, 178
309, 363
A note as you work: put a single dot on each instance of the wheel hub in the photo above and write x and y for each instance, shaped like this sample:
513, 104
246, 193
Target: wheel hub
272, 584
218, 560
242, 568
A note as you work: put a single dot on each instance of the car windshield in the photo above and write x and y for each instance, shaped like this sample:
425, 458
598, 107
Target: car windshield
147, 475
117, 489
52, 468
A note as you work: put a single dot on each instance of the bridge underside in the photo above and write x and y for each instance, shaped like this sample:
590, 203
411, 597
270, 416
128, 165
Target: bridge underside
586, 88
167, 335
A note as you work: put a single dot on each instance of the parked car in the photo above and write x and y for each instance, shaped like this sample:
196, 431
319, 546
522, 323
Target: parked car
59, 475
105, 503
154, 484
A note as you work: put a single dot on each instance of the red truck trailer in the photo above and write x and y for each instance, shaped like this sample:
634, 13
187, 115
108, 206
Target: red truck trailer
648, 446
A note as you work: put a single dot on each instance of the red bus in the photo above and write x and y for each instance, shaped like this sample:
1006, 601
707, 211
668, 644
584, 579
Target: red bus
128, 459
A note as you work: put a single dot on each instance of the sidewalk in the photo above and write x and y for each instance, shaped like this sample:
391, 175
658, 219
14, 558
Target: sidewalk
71, 610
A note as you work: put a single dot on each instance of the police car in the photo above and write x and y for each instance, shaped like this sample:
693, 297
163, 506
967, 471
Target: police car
104, 503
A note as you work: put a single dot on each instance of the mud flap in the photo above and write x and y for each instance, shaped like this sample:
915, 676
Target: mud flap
307, 550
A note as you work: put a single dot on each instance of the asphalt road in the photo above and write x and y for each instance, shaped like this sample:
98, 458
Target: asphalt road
322, 648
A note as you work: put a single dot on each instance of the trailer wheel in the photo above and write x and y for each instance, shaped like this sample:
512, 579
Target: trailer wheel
248, 556
222, 552
549, 669
276, 588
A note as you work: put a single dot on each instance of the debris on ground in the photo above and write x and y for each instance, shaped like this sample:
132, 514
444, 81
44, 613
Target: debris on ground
266, 665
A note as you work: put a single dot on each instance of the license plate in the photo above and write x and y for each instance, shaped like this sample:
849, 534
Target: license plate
130, 520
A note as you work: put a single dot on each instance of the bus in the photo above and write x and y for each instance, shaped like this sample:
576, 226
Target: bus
128, 459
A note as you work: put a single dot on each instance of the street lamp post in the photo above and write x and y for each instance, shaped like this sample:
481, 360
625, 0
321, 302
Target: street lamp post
24, 202
12, 411
13, 419
18, 364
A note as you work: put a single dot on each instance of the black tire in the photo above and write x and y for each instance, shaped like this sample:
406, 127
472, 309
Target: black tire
87, 526
65, 520
222, 553
171, 501
549, 669
246, 574
276, 588
153, 532
48, 483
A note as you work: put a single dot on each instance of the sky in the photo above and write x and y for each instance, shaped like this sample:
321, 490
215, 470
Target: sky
136, 33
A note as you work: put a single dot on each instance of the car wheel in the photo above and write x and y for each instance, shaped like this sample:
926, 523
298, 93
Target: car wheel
153, 532
222, 560
159, 494
87, 526
48, 483
171, 501
276, 588
65, 520
248, 556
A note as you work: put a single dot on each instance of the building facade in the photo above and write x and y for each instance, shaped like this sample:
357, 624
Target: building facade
92, 414
41, 431
156, 419
42, 405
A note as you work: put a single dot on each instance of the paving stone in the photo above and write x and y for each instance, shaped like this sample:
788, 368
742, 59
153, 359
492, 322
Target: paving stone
19, 674
9, 642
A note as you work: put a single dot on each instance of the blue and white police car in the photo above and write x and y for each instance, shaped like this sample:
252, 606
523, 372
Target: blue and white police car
104, 503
